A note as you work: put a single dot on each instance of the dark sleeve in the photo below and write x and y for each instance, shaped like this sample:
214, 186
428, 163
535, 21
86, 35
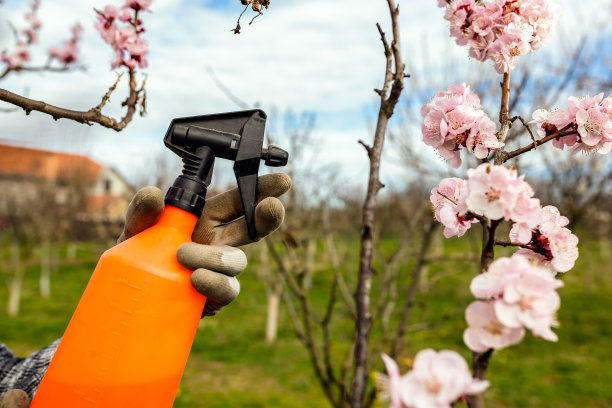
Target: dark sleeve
24, 373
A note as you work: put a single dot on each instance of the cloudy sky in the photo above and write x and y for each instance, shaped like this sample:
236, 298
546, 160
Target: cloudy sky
318, 56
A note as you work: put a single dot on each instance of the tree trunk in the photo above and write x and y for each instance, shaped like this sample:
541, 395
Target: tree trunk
272, 318
45, 270
71, 251
17, 282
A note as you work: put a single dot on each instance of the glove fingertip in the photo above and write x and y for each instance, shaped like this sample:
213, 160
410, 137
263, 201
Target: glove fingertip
144, 211
269, 215
275, 184
222, 288
14, 399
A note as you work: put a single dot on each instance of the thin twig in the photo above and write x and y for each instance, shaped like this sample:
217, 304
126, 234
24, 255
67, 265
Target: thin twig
561, 133
89, 117
413, 288
535, 142
516, 244
108, 93
389, 96
504, 116
469, 213
223, 88
480, 361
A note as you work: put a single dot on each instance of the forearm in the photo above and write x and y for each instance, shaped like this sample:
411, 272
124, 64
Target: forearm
24, 373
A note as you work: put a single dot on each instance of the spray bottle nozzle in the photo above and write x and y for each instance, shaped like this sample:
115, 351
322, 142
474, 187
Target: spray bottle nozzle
236, 136
274, 156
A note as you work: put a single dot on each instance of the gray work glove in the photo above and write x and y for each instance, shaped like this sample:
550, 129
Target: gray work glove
221, 227
14, 399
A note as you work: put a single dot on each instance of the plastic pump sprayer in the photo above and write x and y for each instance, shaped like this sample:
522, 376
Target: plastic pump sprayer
128, 341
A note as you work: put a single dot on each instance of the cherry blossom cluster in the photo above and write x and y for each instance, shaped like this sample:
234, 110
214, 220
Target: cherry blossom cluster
455, 119
445, 199
68, 53
121, 27
551, 243
21, 54
437, 379
497, 193
515, 295
500, 30
589, 118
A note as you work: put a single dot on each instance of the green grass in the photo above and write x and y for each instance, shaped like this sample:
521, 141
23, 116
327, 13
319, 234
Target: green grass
231, 365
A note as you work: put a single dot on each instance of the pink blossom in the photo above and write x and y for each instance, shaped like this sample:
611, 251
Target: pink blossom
31, 32
594, 125
482, 139
492, 191
17, 58
553, 245
530, 301
500, 30
491, 284
125, 16
551, 214
390, 384
69, 52
562, 245
455, 119
437, 380
526, 214
138, 4
31, 35
522, 295
588, 119
485, 331
129, 47
451, 214
105, 23
542, 16
552, 122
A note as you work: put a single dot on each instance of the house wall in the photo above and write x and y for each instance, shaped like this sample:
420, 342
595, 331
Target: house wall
110, 183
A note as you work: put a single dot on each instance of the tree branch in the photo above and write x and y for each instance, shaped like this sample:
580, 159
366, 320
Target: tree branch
89, 117
480, 361
561, 133
391, 91
535, 142
504, 116
413, 288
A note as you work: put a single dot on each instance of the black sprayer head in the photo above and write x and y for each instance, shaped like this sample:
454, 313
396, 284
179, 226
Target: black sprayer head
236, 136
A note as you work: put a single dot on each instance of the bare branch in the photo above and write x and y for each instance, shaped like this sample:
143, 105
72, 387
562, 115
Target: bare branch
480, 361
413, 288
566, 131
504, 116
535, 142
223, 88
93, 115
389, 96
108, 93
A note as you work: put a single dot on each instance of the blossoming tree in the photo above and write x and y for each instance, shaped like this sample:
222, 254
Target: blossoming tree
513, 294
120, 27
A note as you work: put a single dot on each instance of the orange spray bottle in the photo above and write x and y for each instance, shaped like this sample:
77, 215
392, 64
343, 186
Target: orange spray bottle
128, 340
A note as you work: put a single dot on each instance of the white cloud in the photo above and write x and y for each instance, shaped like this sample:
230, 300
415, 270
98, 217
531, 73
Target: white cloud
321, 56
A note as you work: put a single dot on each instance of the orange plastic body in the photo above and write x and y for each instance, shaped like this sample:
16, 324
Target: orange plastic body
128, 341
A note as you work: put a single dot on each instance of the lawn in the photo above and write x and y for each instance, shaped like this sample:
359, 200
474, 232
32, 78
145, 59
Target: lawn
231, 365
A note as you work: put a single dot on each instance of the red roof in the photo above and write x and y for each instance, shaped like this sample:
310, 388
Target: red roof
43, 164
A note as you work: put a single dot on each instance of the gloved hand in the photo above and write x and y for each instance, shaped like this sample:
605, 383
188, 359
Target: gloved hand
221, 227
14, 399
211, 255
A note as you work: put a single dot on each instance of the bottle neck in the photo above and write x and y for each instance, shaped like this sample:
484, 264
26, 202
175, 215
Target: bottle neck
178, 219
188, 193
